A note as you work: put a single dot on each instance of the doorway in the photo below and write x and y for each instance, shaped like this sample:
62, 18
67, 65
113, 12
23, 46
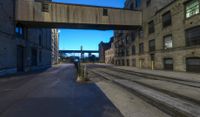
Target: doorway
20, 59
34, 57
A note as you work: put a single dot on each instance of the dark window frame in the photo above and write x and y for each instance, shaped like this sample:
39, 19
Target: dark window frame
152, 48
141, 48
167, 19
45, 7
40, 56
20, 31
192, 41
151, 27
194, 67
40, 40
133, 48
168, 66
148, 2
105, 12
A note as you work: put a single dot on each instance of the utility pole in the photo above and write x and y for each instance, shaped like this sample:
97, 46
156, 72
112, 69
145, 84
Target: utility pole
82, 54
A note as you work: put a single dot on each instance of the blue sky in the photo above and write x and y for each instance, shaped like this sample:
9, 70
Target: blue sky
89, 39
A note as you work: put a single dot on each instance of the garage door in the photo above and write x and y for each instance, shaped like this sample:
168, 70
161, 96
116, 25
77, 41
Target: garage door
193, 64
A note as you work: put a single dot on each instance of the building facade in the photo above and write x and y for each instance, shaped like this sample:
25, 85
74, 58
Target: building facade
55, 46
22, 48
102, 48
110, 54
169, 38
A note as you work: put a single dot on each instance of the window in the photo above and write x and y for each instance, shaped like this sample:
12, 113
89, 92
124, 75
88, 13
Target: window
141, 33
127, 62
123, 62
40, 40
193, 36
141, 48
152, 46
168, 42
126, 39
167, 19
168, 64
133, 36
19, 31
133, 62
193, 64
40, 56
152, 56
192, 8
151, 27
133, 50
45, 7
131, 7
105, 12
127, 52
148, 3
137, 3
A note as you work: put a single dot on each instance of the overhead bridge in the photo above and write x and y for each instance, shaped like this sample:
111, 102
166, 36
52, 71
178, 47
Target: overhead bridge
57, 15
78, 51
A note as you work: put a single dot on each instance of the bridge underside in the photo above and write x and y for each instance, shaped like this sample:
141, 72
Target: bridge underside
75, 26
57, 15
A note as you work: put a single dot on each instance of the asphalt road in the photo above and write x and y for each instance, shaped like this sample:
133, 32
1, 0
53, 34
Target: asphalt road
53, 93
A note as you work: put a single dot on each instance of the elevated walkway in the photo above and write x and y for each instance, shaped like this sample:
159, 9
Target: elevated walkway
58, 15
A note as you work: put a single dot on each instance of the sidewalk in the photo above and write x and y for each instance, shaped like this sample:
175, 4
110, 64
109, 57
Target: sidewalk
171, 74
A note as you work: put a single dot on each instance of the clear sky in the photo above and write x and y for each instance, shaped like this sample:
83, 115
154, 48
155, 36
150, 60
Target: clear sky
89, 39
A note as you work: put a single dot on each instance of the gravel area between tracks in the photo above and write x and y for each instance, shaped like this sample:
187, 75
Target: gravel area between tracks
183, 90
128, 104
172, 74
164, 101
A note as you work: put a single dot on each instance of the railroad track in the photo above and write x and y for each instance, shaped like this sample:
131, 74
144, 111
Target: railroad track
155, 77
184, 101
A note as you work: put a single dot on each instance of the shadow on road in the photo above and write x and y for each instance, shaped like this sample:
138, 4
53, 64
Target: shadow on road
59, 95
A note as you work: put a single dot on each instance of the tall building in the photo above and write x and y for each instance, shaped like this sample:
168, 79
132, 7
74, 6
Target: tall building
55, 46
102, 48
21, 48
110, 54
169, 38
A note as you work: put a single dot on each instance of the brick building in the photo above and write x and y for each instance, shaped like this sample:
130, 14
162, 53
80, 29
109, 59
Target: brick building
22, 48
168, 39
110, 54
102, 48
